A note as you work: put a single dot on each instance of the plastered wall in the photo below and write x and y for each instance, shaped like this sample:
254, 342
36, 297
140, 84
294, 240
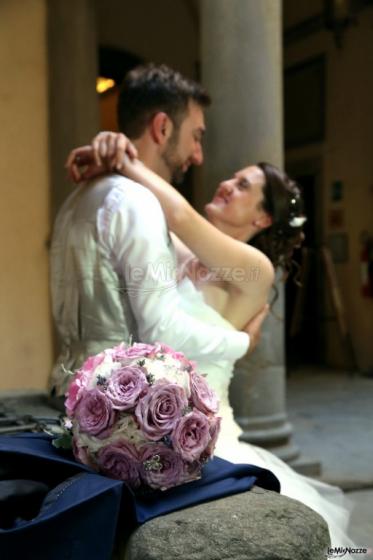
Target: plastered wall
25, 330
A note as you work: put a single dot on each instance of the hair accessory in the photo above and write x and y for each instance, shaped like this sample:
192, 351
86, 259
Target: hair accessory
297, 221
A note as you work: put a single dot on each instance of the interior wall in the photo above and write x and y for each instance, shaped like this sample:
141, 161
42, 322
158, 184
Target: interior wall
25, 333
295, 11
165, 31
346, 156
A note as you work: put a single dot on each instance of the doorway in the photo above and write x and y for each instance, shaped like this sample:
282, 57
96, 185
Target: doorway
305, 304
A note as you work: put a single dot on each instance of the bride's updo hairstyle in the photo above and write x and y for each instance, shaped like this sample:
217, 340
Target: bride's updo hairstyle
283, 202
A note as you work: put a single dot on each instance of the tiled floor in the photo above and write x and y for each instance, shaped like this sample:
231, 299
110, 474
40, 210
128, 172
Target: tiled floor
332, 415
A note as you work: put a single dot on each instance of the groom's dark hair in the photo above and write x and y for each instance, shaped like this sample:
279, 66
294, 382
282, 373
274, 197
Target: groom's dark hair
148, 89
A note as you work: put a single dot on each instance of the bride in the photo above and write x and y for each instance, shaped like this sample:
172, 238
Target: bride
262, 205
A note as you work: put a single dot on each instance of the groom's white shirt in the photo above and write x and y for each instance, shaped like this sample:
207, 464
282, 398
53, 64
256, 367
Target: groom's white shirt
132, 228
113, 276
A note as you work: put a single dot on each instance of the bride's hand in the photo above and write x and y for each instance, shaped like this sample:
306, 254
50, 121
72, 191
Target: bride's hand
106, 153
112, 147
254, 326
81, 165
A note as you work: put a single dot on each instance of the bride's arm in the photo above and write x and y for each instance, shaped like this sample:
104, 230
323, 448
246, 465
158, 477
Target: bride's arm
231, 260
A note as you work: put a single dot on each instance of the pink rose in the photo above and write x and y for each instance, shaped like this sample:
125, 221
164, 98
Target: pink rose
192, 365
125, 386
120, 460
82, 454
215, 424
94, 413
180, 356
164, 348
161, 467
75, 391
203, 397
158, 411
191, 435
91, 364
81, 381
192, 471
138, 350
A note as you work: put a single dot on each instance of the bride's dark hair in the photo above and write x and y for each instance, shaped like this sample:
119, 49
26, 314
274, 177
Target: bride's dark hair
283, 202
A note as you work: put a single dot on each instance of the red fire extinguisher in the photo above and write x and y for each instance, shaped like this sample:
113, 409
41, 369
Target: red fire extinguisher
366, 265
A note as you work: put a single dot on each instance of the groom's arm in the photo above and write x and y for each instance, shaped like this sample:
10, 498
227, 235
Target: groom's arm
141, 249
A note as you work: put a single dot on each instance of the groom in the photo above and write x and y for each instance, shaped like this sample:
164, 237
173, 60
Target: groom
113, 269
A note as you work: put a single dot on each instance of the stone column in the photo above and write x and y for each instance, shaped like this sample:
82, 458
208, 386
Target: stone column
73, 103
241, 66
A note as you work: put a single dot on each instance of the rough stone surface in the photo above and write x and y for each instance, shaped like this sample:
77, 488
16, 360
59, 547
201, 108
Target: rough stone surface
257, 525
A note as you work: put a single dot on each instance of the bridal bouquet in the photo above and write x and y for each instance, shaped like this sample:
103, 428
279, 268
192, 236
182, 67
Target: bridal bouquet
142, 414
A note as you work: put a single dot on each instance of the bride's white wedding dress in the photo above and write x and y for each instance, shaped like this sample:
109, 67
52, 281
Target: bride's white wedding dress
328, 501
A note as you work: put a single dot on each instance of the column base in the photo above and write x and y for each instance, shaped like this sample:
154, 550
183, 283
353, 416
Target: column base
286, 452
289, 453
274, 435
270, 432
306, 466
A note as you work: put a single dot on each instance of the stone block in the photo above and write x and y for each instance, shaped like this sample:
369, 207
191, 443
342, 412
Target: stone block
255, 525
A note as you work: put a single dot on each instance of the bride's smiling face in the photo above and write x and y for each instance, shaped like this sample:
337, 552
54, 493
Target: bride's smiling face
237, 203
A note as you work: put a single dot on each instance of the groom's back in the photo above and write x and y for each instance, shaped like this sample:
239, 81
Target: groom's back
89, 297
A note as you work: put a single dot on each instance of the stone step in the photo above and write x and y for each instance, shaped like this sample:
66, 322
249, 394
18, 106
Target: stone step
255, 525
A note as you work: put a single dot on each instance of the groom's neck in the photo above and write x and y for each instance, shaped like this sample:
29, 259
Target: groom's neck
149, 154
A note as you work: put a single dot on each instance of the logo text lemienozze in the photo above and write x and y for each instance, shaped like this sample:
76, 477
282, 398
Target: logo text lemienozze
340, 551
166, 272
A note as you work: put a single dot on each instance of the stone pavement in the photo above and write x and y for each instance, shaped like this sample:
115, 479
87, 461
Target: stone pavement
332, 415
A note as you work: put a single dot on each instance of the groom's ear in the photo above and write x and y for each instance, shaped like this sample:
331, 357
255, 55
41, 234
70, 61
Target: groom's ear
161, 128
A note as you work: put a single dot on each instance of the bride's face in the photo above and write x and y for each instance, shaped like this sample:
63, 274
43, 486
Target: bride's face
237, 202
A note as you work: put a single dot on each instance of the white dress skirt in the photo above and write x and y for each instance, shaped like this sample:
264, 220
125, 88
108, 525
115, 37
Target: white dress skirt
329, 501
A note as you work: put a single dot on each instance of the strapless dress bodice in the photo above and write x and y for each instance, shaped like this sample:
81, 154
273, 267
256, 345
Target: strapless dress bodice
219, 374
